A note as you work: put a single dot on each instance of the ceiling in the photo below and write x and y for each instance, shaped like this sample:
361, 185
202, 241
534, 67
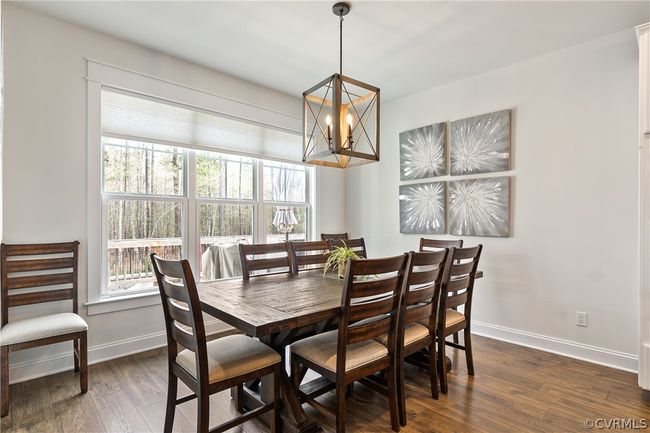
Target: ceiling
401, 47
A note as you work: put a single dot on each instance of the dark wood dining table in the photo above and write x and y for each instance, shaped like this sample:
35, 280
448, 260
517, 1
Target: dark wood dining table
274, 308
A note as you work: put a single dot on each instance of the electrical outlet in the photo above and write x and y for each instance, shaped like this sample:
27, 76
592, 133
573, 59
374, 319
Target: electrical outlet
581, 318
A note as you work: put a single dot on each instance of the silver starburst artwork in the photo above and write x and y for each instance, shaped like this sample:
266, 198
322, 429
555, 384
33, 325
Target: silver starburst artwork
422, 208
480, 144
422, 152
480, 207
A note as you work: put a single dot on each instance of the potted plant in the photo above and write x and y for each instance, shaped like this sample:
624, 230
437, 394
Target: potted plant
337, 257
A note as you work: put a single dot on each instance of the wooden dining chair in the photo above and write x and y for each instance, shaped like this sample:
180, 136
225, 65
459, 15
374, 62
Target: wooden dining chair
369, 307
272, 258
207, 367
456, 291
418, 318
333, 236
437, 245
356, 245
308, 255
27, 269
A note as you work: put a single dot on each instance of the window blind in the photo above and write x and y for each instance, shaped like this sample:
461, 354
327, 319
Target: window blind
128, 115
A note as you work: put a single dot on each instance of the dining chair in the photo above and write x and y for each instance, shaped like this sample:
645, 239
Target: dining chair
26, 270
369, 307
207, 367
418, 317
437, 245
456, 291
308, 255
272, 258
333, 236
356, 245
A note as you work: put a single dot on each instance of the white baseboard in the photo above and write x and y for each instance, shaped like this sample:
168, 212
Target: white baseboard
571, 349
43, 366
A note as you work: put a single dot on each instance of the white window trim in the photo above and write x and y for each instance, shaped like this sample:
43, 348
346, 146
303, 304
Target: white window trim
100, 75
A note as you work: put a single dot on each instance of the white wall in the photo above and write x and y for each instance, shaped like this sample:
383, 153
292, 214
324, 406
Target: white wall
45, 159
573, 245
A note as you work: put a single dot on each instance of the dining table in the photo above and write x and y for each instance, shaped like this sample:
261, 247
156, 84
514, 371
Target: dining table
275, 308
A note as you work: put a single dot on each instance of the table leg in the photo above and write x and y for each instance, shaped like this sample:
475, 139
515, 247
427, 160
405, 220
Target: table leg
294, 418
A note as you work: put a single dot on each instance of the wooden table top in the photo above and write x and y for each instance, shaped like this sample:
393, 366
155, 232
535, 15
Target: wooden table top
270, 304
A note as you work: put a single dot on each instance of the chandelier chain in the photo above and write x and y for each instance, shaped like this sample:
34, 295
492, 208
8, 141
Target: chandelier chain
341, 43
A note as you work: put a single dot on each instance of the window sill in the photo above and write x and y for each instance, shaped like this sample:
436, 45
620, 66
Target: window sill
119, 303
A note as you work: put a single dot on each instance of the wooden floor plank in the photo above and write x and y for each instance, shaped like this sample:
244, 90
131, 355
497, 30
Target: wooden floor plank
515, 389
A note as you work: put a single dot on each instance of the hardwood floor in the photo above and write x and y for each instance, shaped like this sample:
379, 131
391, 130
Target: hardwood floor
515, 389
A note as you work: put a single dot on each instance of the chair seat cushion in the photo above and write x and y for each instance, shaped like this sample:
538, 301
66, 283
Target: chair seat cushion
35, 328
453, 317
321, 350
412, 333
231, 356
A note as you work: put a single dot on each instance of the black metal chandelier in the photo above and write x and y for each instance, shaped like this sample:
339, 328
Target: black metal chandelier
341, 116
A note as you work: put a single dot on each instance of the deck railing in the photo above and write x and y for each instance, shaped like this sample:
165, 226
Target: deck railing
129, 263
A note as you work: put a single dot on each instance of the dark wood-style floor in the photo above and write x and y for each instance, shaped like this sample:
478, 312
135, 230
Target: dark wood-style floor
515, 389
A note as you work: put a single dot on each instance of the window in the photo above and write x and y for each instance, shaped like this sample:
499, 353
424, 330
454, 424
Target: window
166, 199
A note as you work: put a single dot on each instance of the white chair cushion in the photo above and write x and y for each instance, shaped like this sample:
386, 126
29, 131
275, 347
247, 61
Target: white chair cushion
231, 356
321, 350
452, 317
21, 331
412, 333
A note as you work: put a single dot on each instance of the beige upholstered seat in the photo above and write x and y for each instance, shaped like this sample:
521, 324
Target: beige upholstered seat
453, 317
20, 331
412, 333
231, 356
321, 349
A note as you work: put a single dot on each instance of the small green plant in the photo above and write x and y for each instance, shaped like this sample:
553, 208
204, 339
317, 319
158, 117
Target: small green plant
337, 257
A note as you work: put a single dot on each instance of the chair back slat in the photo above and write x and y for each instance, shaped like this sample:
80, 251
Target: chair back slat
370, 309
40, 249
420, 313
30, 267
305, 255
462, 268
422, 289
250, 261
357, 334
175, 291
184, 338
333, 236
376, 287
171, 268
364, 318
439, 244
457, 300
356, 245
39, 281
467, 253
419, 296
424, 277
182, 311
458, 282
275, 262
39, 297
39, 264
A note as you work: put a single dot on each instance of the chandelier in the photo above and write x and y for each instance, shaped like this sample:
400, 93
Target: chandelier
341, 116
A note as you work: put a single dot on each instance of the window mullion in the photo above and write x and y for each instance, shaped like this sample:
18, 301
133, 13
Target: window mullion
260, 211
192, 221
